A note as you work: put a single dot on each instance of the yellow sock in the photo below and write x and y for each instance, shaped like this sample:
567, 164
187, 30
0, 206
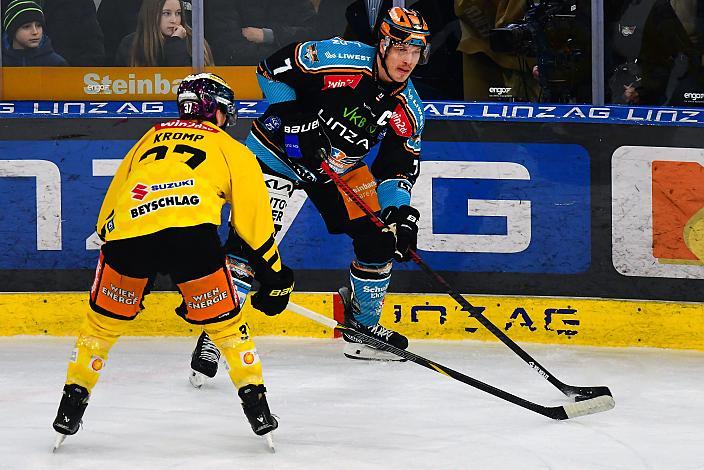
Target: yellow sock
95, 338
232, 337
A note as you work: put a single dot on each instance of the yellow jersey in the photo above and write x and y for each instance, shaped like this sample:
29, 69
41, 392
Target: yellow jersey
180, 174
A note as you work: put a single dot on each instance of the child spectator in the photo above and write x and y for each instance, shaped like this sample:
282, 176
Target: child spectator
24, 43
162, 38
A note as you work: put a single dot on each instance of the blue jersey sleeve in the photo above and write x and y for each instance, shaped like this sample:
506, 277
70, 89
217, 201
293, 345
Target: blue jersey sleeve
398, 164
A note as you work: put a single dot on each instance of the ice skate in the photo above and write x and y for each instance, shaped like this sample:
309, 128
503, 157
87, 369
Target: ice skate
70, 414
256, 409
356, 350
204, 361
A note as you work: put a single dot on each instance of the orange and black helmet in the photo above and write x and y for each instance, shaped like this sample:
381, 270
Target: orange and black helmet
406, 26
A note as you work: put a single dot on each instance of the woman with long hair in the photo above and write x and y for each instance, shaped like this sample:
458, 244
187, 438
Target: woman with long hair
162, 38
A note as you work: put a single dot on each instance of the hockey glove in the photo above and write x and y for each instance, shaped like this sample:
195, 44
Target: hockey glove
304, 136
403, 222
272, 296
309, 146
304, 139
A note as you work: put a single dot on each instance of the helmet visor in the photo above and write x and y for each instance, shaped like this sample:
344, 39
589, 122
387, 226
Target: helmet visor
411, 47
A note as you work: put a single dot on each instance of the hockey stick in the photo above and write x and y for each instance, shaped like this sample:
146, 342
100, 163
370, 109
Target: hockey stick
568, 411
578, 393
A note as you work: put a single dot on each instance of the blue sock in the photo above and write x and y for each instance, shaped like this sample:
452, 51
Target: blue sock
369, 283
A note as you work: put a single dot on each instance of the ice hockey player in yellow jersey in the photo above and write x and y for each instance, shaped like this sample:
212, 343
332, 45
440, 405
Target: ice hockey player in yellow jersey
161, 214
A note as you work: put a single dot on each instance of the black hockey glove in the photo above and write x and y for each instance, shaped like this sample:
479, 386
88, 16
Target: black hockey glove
272, 296
403, 222
304, 136
307, 144
304, 139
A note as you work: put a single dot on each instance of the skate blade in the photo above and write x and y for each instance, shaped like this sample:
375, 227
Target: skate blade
375, 359
362, 352
60, 438
197, 379
270, 442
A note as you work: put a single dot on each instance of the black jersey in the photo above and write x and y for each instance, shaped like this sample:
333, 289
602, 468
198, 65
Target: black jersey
336, 80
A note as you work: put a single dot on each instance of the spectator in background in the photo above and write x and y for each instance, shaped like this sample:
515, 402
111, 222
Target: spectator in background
73, 26
483, 67
441, 77
161, 39
363, 19
24, 42
691, 14
74, 30
118, 18
330, 20
243, 32
652, 60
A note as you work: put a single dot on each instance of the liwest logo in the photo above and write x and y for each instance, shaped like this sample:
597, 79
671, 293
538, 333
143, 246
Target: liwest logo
658, 212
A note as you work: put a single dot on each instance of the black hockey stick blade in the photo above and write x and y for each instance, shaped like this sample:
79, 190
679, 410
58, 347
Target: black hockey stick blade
578, 393
584, 407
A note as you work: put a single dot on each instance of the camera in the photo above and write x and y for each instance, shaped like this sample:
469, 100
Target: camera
549, 31
547, 20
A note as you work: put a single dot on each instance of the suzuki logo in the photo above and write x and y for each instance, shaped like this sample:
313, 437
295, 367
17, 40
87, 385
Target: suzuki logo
139, 191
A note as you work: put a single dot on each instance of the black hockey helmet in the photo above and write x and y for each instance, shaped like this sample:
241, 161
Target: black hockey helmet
200, 95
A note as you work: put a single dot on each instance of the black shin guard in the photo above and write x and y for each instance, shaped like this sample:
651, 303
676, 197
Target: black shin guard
256, 409
73, 404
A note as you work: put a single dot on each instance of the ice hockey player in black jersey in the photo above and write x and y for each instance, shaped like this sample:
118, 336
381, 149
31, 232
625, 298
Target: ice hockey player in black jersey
333, 101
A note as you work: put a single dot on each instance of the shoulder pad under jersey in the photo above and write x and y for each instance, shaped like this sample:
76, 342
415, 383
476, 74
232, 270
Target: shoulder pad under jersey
408, 119
334, 54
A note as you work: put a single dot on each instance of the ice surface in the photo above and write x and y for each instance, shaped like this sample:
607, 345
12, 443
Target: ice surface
336, 413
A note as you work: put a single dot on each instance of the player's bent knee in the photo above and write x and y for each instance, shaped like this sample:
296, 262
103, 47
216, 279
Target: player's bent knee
233, 339
208, 299
370, 271
375, 248
102, 326
116, 295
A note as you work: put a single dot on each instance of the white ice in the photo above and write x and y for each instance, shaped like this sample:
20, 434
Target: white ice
336, 413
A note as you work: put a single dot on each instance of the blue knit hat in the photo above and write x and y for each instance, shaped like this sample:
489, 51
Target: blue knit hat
20, 12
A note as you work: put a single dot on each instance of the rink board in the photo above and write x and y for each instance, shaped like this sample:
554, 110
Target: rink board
516, 200
530, 208
593, 322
